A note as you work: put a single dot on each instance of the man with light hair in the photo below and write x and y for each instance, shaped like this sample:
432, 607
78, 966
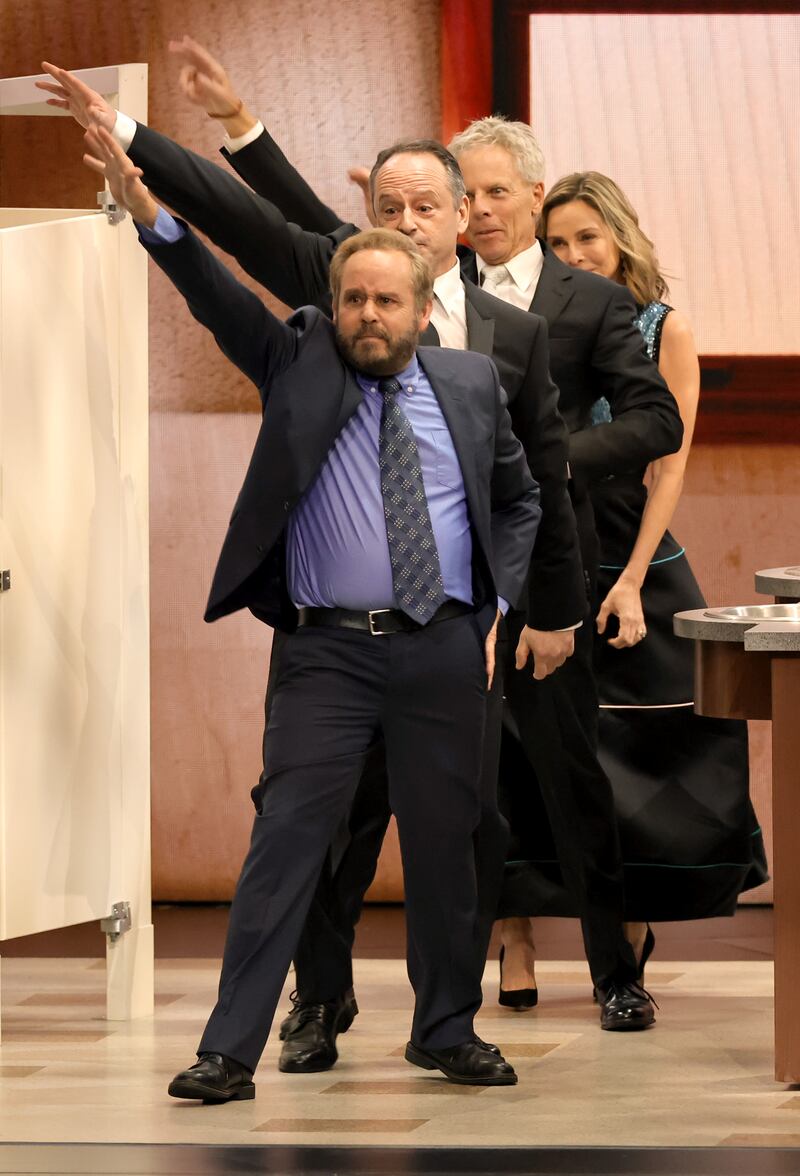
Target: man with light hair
595, 349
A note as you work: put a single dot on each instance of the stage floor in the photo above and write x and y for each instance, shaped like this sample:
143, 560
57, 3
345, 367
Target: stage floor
701, 1078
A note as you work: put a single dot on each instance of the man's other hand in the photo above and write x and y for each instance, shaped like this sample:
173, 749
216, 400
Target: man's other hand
84, 104
490, 647
549, 650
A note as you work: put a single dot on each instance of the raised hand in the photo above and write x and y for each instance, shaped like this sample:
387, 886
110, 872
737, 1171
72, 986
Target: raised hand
105, 156
84, 104
360, 177
204, 81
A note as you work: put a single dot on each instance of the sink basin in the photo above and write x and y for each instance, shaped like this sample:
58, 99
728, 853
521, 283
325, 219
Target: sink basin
752, 614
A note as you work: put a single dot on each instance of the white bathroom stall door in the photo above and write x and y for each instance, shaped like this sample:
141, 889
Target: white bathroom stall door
60, 539
74, 632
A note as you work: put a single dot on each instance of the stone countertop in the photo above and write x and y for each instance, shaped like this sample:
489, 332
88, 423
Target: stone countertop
774, 638
696, 624
779, 581
778, 636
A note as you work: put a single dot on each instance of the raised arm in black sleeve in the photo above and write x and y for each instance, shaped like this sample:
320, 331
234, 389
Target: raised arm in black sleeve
263, 166
251, 336
290, 263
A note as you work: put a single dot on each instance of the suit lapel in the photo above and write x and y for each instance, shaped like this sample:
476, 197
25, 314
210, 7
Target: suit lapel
429, 337
480, 330
351, 398
553, 290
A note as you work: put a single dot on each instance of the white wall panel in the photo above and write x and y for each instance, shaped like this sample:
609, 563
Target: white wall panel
695, 116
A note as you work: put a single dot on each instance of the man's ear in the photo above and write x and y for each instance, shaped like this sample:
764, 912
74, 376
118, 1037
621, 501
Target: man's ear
425, 316
537, 198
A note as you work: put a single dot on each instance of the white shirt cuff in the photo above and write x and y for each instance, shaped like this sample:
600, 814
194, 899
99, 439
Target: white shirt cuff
124, 130
568, 628
240, 141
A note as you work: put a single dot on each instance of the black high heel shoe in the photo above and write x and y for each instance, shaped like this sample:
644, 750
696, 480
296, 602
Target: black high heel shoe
519, 999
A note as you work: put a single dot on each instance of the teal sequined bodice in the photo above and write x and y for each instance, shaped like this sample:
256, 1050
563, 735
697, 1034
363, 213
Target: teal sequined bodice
650, 321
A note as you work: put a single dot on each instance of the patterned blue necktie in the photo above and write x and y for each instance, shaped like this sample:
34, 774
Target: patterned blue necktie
416, 572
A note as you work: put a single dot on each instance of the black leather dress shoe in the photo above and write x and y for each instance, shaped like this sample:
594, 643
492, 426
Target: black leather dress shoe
214, 1078
309, 1034
625, 1007
469, 1064
495, 1049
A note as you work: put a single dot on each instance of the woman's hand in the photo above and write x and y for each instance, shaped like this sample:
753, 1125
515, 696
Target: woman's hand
623, 601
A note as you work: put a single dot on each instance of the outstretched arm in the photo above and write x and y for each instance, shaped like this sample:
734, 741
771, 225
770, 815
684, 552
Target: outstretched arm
249, 334
261, 163
291, 263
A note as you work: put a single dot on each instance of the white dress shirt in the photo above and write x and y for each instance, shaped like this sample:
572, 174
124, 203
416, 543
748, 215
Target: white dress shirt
232, 145
449, 315
524, 271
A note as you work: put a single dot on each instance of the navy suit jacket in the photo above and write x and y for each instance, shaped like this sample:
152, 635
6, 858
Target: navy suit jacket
308, 394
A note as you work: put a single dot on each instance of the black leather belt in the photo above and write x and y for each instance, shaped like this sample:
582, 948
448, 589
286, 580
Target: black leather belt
379, 622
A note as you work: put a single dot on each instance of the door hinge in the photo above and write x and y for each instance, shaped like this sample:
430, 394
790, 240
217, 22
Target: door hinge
114, 214
5, 580
118, 922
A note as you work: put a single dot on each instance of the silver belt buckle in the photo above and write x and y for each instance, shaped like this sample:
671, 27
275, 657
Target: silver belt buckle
376, 612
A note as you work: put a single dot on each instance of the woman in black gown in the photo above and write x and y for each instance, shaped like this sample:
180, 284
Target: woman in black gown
690, 839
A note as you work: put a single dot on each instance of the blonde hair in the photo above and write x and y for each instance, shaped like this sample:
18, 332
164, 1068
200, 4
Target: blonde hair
640, 270
517, 138
384, 240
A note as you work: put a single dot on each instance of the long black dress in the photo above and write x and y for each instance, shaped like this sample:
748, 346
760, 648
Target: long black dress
690, 839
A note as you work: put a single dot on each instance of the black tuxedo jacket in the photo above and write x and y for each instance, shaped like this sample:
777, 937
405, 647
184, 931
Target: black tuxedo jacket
308, 395
294, 264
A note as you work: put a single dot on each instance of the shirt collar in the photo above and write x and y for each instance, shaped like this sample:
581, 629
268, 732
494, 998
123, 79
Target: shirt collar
448, 287
524, 268
407, 378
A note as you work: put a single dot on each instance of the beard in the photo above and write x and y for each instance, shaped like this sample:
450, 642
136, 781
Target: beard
374, 361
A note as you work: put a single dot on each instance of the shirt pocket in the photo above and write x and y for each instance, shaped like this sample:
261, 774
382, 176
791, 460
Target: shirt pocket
448, 471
